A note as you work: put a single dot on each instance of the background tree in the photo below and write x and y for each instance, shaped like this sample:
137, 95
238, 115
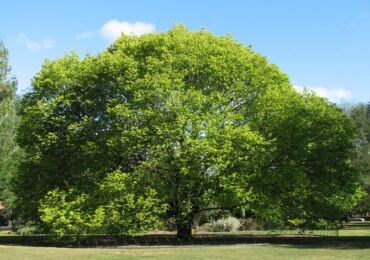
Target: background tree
360, 114
200, 119
8, 121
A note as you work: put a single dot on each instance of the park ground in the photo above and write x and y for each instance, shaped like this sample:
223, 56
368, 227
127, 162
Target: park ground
247, 251
346, 249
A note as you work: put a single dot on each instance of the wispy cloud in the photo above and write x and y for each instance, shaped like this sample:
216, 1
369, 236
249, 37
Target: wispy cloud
85, 35
30, 44
33, 45
114, 28
333, 94
48, 43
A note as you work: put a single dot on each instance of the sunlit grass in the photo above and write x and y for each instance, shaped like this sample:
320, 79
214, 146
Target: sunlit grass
6, 233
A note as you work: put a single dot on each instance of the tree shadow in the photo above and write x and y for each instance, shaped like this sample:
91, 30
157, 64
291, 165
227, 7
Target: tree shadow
335, 243
303, 242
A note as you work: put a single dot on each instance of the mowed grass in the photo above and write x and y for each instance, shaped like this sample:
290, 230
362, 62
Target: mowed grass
7, 233
321, 250
258, 251
354, 233
355, 229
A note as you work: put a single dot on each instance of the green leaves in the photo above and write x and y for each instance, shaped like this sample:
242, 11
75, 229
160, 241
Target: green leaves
64, 215
360, 115
120, 204
191, 120
9, 152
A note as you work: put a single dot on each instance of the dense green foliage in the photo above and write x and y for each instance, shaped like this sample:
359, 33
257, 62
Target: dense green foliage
8, 121
313, 143
360, 114
121, 204
202, 122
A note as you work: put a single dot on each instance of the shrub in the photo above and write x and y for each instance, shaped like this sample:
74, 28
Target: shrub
296, 222
27, 230
323, 224
229, 224
251, 224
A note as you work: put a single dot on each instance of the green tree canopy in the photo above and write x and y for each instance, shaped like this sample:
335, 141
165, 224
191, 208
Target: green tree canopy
202, 120
8, 121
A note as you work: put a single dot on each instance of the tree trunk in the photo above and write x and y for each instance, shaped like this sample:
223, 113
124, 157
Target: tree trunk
184, 230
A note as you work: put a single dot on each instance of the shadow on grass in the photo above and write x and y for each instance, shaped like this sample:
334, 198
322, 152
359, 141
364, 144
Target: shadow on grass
347, 244
91, 241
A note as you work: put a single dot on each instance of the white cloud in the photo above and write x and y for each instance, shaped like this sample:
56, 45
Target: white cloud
333, 94
34, 46
114, 28
85, 35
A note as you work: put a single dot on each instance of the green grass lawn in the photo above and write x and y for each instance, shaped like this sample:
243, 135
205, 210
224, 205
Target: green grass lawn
354, 232
355, 229
348, 249
6, 233
259, 251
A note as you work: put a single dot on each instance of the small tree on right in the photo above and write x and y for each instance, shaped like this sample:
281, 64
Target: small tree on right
310, 175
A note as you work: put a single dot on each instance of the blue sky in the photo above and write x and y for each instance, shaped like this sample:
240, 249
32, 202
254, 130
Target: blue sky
323, 45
